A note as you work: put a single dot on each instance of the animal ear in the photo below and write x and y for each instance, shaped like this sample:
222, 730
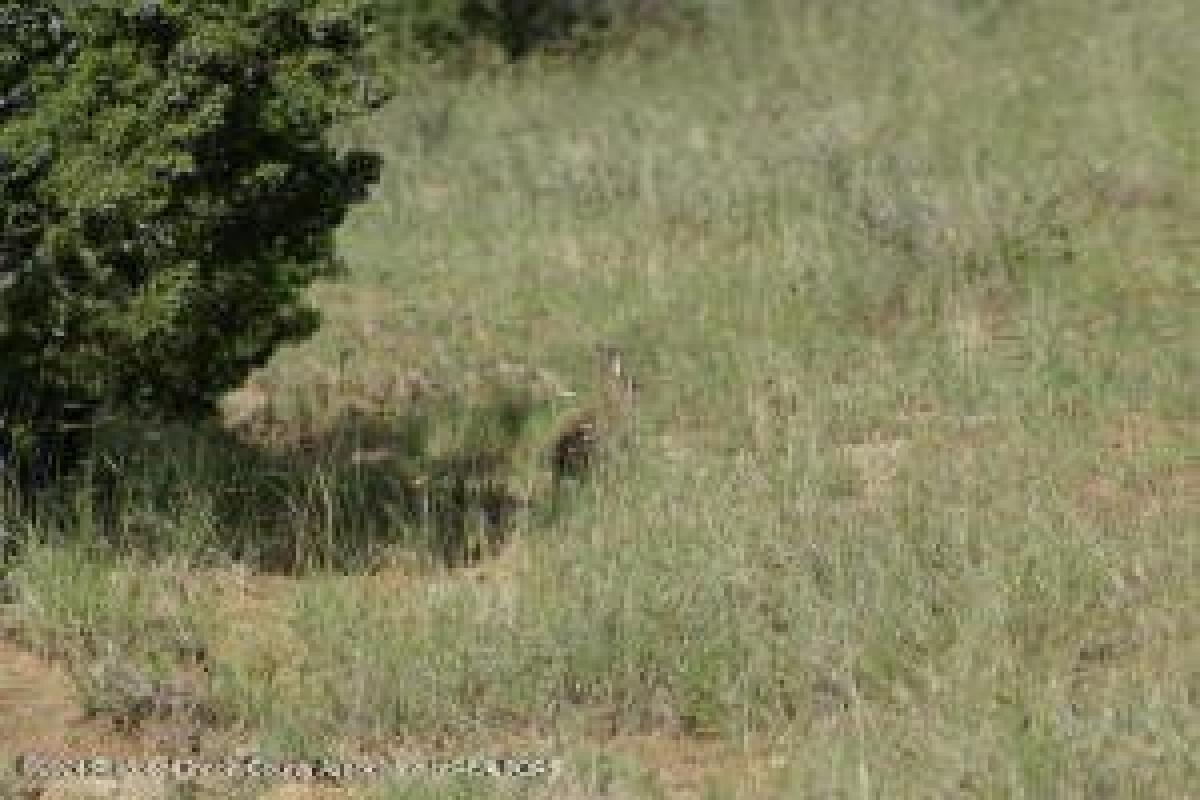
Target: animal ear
612, 359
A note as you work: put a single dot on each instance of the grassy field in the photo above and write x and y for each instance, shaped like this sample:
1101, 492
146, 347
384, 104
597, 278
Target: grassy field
908, 505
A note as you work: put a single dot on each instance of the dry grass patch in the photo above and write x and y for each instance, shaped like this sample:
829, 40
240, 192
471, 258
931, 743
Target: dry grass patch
1150, 472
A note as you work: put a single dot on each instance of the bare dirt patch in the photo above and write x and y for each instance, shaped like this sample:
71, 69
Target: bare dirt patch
41, 714
38, 705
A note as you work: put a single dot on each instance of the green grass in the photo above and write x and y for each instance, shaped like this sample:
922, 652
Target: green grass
913, 494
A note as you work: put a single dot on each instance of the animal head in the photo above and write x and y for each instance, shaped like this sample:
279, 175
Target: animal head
621, 387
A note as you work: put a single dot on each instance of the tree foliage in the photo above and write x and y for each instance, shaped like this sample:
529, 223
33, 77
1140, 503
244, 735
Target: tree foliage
168, 188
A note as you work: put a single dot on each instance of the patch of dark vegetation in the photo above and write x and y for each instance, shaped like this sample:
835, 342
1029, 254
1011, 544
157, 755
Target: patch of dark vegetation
330, 500
454, 31
34, 457
448, 474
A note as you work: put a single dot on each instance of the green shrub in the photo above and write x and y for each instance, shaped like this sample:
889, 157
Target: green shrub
168, 188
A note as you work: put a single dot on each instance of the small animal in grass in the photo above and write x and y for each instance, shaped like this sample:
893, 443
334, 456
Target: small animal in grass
586, 432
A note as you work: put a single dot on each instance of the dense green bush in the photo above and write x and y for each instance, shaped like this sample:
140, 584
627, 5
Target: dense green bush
445, 27
168, 189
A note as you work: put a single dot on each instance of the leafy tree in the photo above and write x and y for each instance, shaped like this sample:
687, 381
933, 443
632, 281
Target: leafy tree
168, 188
